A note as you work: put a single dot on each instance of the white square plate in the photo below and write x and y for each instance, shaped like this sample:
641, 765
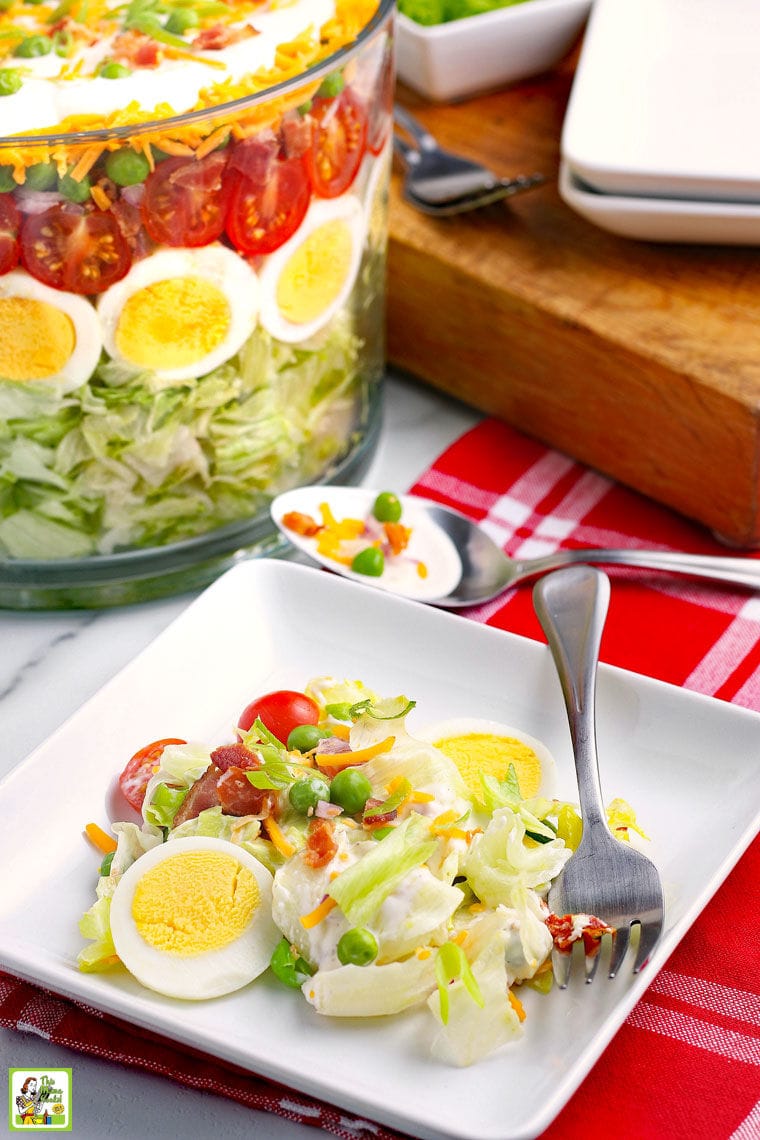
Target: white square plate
463, 58
664, 100
687, 763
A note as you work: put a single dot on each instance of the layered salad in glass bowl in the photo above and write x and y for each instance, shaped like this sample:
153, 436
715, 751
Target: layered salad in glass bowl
192, 260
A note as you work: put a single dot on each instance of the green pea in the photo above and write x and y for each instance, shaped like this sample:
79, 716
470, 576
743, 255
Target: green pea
114, 70
74, 191
331, 85
370, 561
350, 789
10, 81
387, 507
357, 947
304, 737
126, 167
287, 966
305, 794
105, 866
41, 176
181, 20
33, 46
304, 108
7, 181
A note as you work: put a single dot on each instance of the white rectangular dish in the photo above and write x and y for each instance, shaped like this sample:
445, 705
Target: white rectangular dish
462, 58
687, 763
662, 219
664, 101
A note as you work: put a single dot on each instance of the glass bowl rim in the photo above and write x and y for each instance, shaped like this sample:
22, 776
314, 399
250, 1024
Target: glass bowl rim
382, 15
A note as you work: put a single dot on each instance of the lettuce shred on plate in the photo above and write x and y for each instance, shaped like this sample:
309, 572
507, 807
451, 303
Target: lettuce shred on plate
126, 460
420, 894
430, 12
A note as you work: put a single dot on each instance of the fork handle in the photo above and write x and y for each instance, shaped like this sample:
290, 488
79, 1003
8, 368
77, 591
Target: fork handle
571, 606
422, 137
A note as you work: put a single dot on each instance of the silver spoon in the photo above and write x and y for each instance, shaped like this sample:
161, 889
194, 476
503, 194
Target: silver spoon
464, 565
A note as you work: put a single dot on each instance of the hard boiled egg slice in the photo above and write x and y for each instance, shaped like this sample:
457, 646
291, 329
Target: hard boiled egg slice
486, 746
180, 313
192, 918
46, 334
307, 280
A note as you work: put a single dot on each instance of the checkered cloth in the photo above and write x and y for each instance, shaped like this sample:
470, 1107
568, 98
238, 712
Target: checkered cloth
686, 1063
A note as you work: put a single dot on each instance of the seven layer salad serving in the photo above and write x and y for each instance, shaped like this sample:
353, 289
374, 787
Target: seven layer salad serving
192, 217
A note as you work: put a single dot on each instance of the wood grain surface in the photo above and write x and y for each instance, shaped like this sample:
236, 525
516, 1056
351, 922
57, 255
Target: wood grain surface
640, 359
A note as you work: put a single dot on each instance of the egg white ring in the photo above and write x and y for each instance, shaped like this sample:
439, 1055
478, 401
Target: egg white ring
221, 267
347, 208
177, 975
471, 726
88, 340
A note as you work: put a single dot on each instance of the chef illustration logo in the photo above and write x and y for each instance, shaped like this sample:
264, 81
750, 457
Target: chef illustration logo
39, 1099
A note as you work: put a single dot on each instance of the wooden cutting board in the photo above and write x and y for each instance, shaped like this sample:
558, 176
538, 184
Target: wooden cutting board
642, 360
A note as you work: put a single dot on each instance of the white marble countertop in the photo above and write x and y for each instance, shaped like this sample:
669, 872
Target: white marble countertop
49, 664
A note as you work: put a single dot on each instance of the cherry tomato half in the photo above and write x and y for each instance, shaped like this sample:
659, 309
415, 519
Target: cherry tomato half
10, 224
281, 712
185, 200
134, 779
338, 143
264, 212
79, 251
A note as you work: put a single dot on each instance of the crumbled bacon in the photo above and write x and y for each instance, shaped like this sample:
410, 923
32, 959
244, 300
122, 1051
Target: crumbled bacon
220, 36
136, 49
320, 843
130, 223
235, 756
565, 930
202, 795
238, 796
296, 135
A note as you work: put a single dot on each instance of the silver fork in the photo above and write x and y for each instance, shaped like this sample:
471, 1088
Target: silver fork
603, 877
441, 183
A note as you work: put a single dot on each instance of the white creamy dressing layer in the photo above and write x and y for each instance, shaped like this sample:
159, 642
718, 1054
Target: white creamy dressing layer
44, 100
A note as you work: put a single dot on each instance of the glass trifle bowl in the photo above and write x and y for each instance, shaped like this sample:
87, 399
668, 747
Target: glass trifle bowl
193, 229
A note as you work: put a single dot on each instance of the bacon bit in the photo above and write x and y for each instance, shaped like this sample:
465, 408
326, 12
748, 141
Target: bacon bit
277, 837
375, 821
136, 49
517, 1005
320, 843
335, 762
301, 523
238, 796
398, 536
235, 755
314, 917
220, 36
100, 838
562, 930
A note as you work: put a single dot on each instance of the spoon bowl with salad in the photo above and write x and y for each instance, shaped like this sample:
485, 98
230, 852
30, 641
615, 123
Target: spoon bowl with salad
426, 551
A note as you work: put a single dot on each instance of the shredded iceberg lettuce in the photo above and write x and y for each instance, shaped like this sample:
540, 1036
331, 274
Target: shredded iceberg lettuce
127, 460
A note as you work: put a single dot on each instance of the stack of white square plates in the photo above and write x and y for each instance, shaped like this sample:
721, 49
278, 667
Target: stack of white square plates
660, 140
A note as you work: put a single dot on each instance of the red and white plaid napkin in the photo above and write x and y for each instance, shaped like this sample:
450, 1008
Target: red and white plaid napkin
686, 1063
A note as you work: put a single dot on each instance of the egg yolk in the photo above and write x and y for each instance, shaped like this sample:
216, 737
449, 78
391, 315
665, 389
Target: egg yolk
36, 339
491, 754
173, 323
315, 273
194, 902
